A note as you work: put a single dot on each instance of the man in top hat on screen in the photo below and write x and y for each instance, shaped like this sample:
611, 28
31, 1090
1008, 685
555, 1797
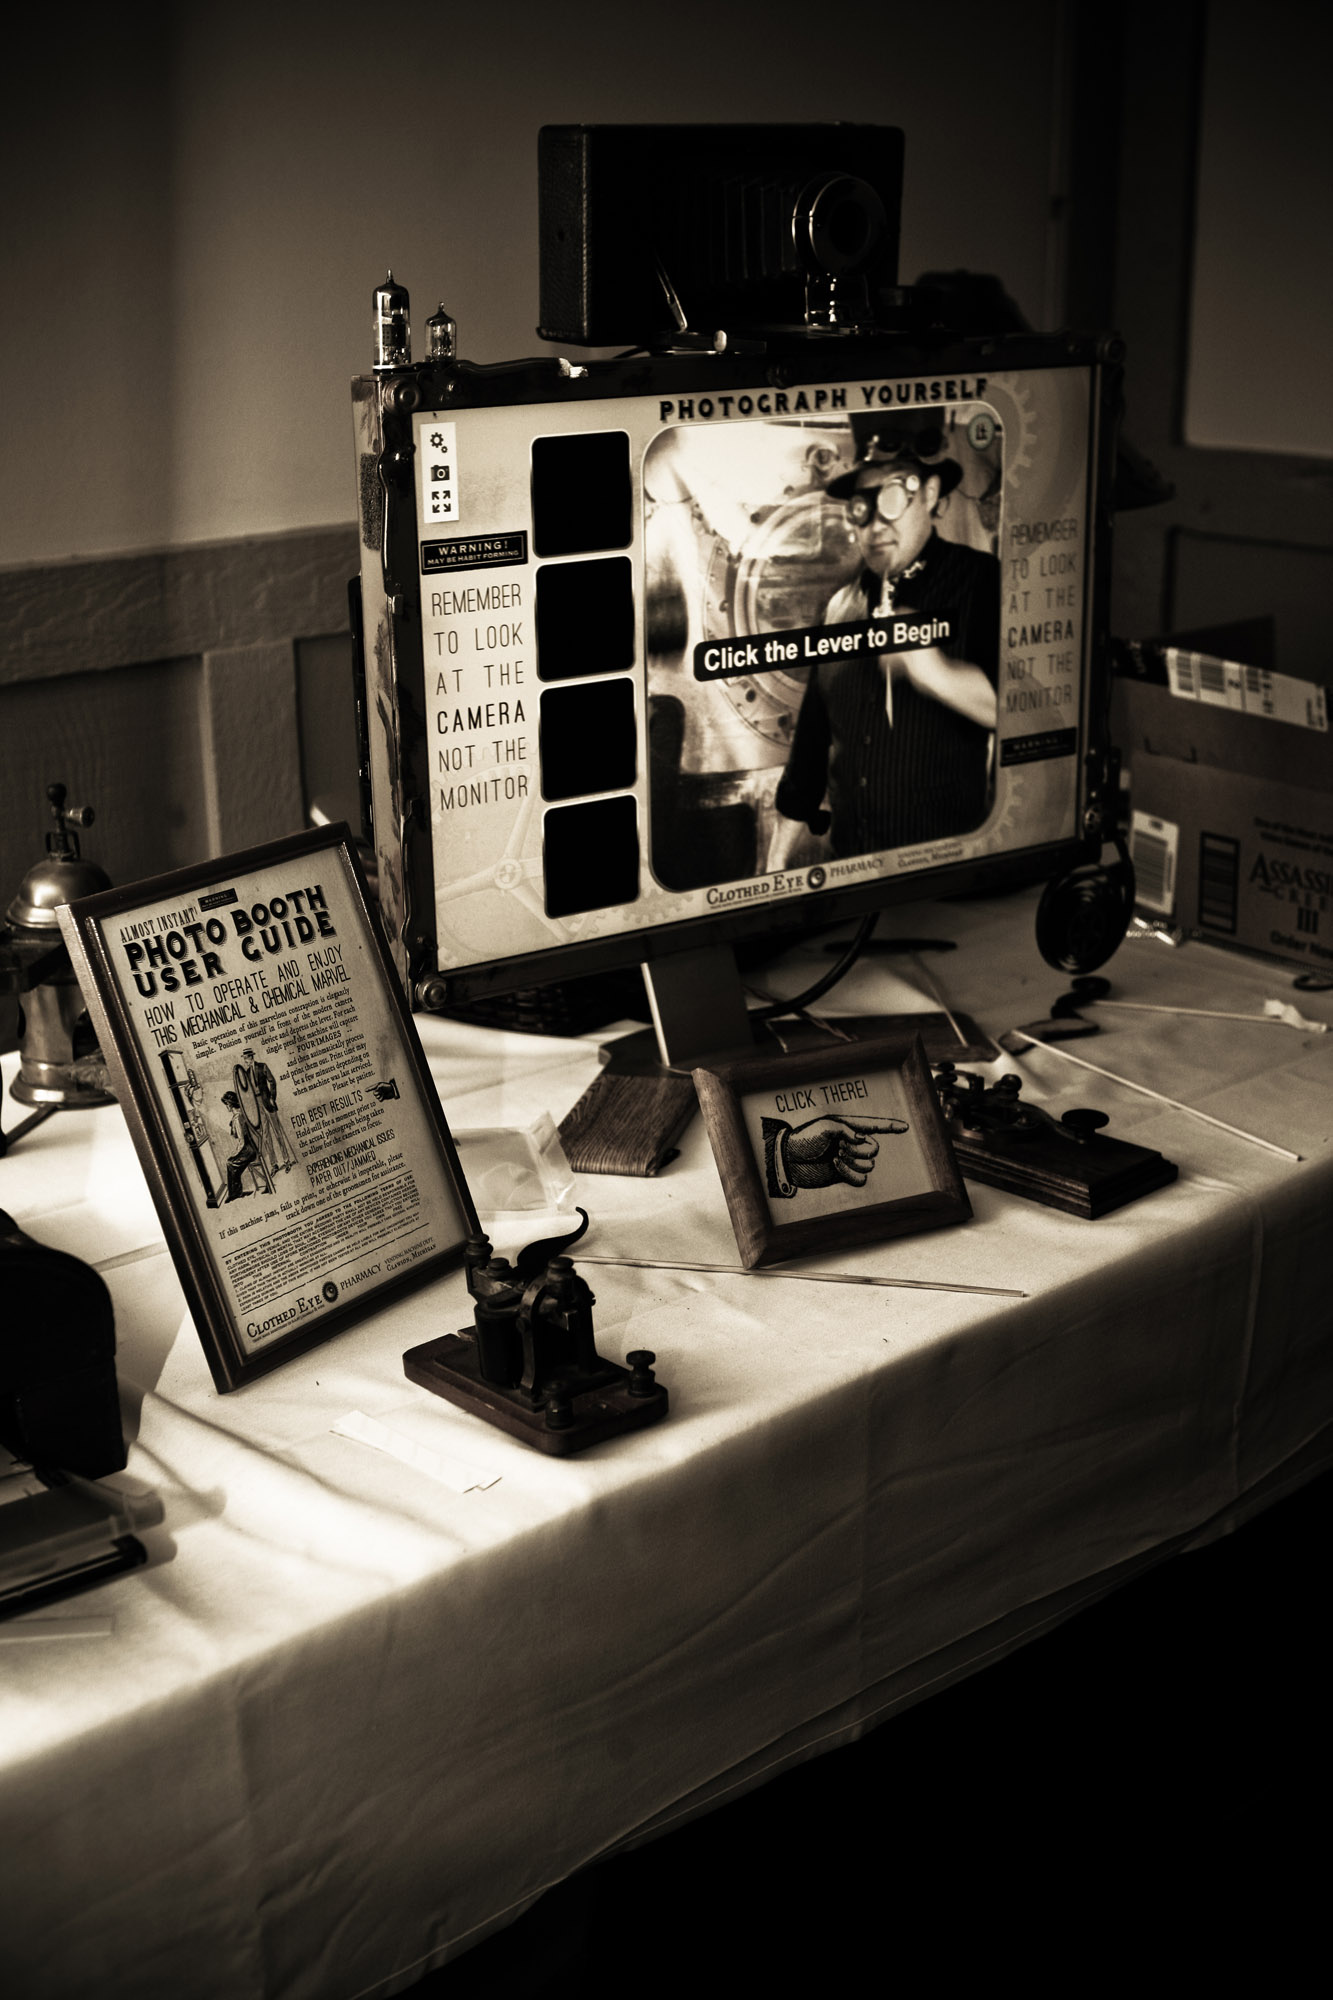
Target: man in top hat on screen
899, 735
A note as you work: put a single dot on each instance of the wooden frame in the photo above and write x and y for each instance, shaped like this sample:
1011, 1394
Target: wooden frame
868, 1156
276, 1093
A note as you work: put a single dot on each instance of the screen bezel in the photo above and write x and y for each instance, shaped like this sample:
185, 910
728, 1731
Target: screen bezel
391, 592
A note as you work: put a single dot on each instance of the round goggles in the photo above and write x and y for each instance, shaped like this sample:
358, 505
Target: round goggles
890, 500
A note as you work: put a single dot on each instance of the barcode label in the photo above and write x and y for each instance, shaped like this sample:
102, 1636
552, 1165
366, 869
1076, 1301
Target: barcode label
1245, 690
1219, 882
1153, 844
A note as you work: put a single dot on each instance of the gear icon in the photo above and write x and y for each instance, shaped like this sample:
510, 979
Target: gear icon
1017, 450
1007, 825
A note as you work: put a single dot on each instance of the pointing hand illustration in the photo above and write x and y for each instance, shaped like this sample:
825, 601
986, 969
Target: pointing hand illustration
836, 1149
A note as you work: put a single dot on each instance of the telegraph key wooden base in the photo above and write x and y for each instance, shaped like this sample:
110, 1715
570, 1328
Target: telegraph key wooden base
609, 1405
1070, 1164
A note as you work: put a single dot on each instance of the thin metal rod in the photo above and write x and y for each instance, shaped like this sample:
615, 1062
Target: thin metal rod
1236, 1131
810, 1277
1208, 1013
936, 992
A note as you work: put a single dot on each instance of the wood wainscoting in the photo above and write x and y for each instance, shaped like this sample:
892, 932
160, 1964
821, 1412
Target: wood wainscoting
199, 699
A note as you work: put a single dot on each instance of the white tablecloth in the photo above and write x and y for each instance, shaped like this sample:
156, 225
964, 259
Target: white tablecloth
350, 1719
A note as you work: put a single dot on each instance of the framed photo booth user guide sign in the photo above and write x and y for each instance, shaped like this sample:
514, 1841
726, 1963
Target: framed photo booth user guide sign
276, 1093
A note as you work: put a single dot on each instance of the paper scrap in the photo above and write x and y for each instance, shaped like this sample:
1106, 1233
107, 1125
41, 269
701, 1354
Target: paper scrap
453, 1472
1282, 1010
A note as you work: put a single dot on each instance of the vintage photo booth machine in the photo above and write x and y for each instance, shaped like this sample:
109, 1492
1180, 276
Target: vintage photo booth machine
594, 591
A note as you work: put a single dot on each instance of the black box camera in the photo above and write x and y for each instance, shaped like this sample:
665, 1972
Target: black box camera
647, 230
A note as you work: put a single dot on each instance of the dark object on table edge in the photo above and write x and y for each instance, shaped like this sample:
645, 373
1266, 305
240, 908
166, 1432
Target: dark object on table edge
59, 1536
59, 1414
58, 1400
1068, 1163
529, 1364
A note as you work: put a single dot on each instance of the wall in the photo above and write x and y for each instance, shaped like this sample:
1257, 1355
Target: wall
196, 204
202, 198
1263, 276
1249, 531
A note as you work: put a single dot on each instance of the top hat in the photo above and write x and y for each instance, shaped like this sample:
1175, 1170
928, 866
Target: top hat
903, 438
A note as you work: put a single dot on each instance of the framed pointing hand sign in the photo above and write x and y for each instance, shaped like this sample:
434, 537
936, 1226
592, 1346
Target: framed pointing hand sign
826, 1151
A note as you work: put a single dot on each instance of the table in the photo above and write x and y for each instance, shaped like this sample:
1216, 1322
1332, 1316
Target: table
350, 1720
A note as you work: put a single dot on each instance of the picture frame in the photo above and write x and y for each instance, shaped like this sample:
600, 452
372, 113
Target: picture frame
848, 1142
276, 1093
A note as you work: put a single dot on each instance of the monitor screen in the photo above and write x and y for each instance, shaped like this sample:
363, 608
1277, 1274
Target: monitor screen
677, 647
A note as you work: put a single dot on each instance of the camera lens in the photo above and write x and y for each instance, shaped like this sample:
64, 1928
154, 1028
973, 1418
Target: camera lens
838, 223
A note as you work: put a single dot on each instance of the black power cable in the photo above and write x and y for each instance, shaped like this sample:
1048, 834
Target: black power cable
800, 1001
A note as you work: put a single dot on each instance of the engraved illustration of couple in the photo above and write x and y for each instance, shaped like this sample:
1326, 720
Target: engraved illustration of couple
262, 1142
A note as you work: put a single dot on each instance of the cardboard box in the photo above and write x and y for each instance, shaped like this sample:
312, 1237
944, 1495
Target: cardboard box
1231, 786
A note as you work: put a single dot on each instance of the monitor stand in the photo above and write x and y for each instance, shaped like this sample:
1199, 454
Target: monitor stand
699, 1014
630, 1118
698, 1009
